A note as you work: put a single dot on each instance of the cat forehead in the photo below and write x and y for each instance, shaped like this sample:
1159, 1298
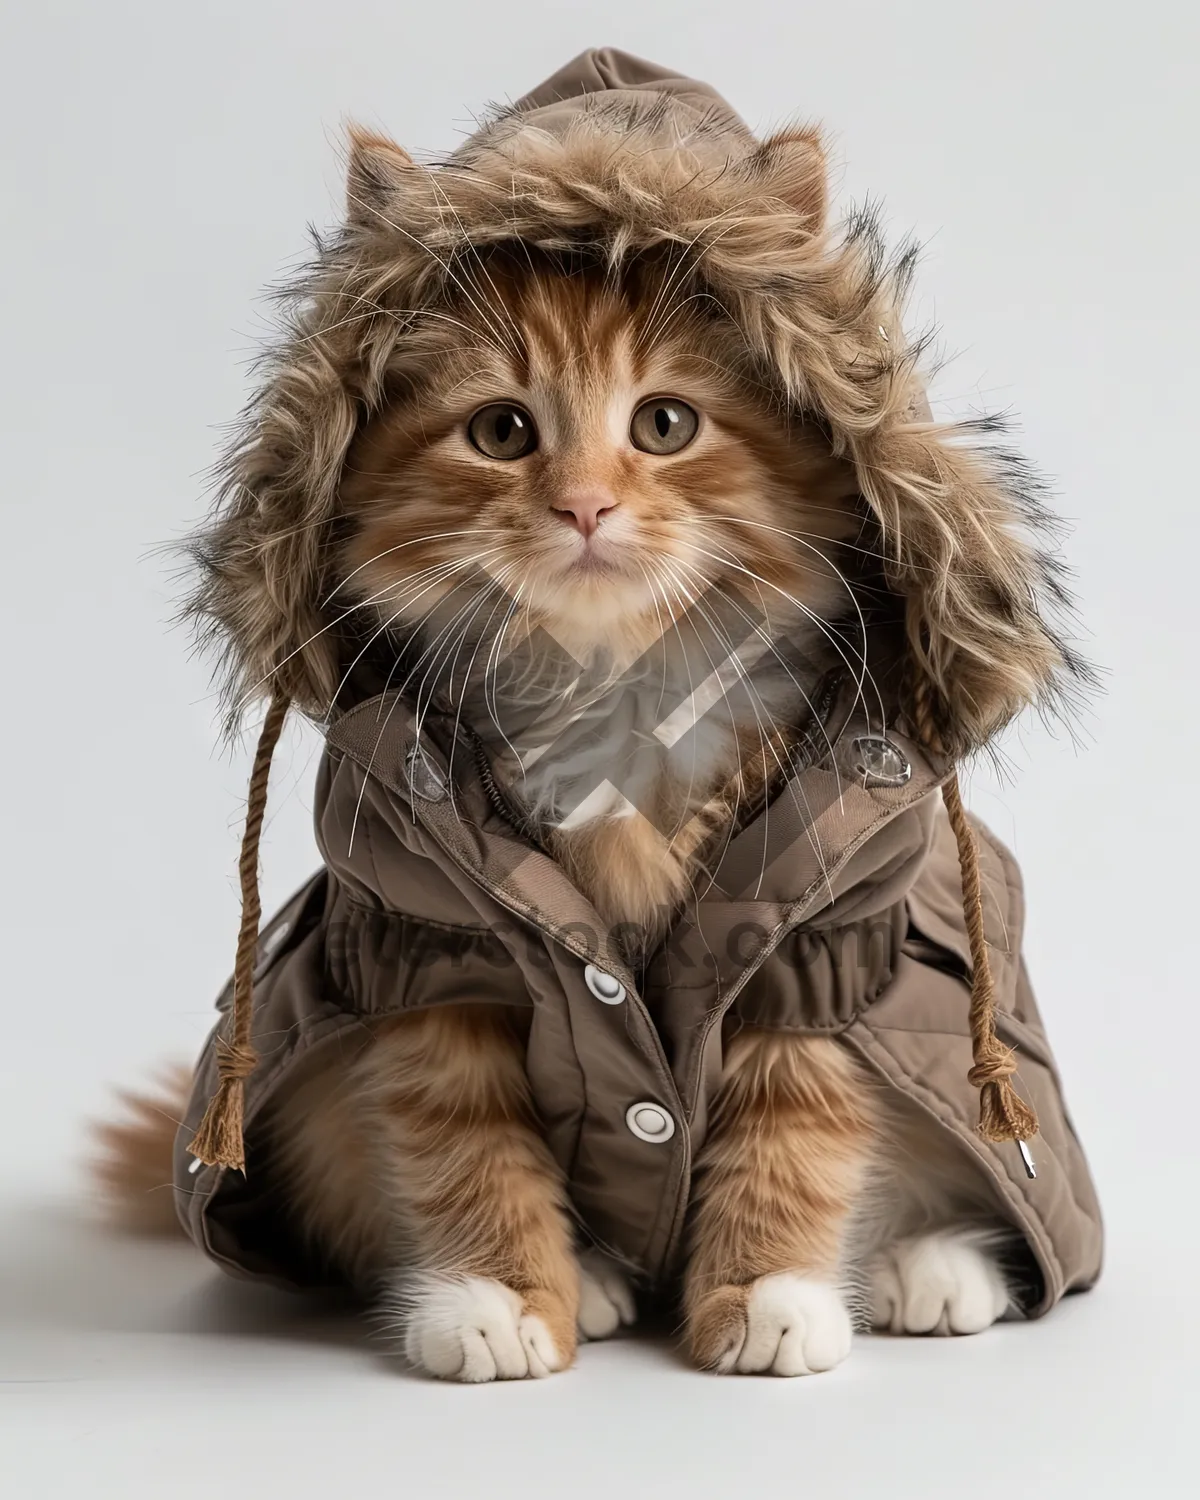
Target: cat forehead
583, 330
574, 334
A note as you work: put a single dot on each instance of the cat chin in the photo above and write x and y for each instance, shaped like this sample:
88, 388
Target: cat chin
611, 612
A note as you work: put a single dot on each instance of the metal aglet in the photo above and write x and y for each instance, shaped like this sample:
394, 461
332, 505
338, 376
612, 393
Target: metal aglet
195, 1166
1027, 1159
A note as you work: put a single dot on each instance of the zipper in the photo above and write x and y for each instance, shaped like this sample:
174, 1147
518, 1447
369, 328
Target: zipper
496, 797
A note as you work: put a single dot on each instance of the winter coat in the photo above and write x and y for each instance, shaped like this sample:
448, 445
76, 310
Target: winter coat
844, 920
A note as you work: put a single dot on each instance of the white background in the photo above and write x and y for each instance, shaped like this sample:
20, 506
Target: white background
160, 162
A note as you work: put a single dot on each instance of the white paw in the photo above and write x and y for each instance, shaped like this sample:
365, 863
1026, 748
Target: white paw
472, 1328
794, 1326
936, 1283
605, 1296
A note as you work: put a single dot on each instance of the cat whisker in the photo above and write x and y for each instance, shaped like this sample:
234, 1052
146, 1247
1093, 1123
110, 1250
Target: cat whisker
648, 330
807, 538
492, 666
339, 619
399, 697
863, 672
734, 659
662, 630
434, 647
442, 572
732, 820
805, 811
772, 647
397, 315
793, 786
803, 541
731, 656
498, 586
518, 338
683, 818
417, 541
655, 330
446, 265
671, 312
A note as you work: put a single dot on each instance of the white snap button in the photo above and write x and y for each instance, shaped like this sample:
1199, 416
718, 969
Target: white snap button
607, 990
650, 1122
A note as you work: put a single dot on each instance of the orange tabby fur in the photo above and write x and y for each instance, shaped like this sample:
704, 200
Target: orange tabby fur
785, 1163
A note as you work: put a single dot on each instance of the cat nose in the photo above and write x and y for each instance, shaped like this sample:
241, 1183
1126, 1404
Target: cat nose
582, 508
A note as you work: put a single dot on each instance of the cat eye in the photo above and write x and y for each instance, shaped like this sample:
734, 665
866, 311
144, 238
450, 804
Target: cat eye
663, 426
502, 431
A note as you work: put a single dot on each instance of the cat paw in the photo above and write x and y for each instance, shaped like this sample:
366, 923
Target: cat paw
605, 1296
936, 1283
474, 1329
785, 1324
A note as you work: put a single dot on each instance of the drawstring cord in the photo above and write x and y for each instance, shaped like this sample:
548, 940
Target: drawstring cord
1003, 1114
219, 1140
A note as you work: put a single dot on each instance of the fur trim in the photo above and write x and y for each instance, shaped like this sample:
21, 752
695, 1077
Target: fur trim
960, 518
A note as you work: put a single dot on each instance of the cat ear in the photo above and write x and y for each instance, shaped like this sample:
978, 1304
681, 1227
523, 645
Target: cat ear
791, 164
374, 173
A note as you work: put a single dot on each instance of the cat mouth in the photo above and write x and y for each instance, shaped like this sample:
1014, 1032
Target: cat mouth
589, 561
594, 559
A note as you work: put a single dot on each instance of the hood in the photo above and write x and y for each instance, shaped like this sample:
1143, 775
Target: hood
618, 156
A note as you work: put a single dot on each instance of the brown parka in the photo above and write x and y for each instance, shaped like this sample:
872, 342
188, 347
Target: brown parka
839, 909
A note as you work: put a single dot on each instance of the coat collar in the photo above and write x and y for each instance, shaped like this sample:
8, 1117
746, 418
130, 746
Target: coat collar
790, 862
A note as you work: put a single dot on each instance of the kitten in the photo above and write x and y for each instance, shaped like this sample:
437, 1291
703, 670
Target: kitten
577, 499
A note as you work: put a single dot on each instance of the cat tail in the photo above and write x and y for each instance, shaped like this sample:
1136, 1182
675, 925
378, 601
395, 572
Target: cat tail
132, 1170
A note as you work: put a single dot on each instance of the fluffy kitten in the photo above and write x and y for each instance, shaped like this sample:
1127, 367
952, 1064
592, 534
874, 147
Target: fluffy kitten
577, 500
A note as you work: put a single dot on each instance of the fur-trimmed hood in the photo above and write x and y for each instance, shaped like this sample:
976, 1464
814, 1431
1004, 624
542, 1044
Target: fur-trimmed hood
617, 156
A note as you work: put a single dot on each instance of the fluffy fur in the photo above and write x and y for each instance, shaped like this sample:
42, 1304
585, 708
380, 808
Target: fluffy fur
133, 1166
821, 320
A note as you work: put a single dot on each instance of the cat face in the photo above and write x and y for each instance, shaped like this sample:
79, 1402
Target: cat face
587, 457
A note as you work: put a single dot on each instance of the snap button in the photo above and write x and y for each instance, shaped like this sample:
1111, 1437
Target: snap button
650, 1122
607, 990
876, 758
425, 775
